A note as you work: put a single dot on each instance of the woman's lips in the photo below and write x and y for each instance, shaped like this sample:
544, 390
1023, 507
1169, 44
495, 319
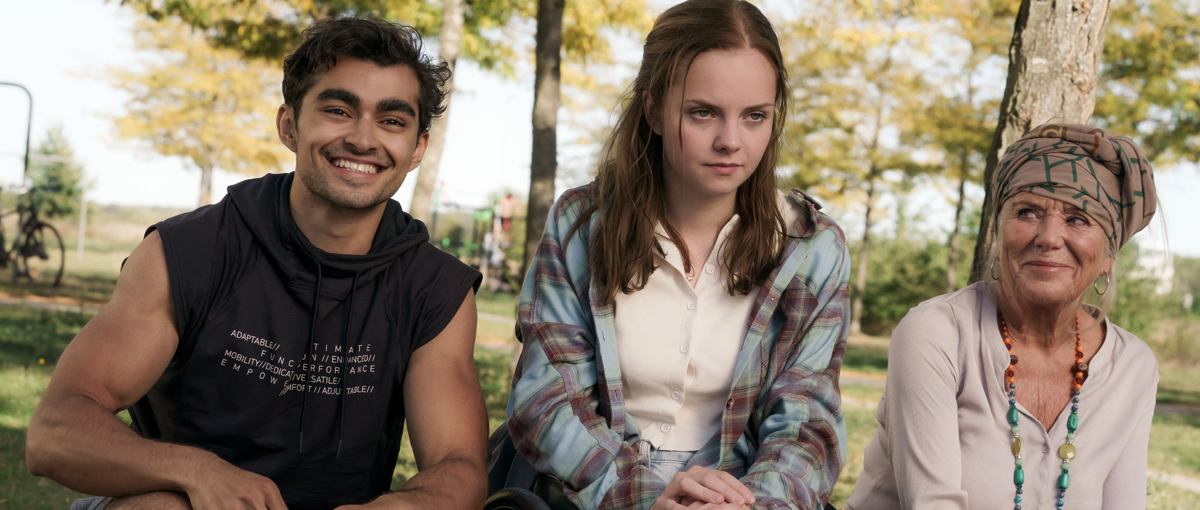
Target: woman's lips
1046, 267
724, 169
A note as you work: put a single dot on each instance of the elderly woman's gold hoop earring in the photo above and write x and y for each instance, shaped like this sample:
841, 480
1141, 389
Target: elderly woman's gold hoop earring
992, 271
1107, 282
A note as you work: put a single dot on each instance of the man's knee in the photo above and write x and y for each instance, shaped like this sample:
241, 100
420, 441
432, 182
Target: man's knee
152, 501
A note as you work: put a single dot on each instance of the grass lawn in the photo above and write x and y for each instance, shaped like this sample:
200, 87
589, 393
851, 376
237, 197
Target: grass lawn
30, 342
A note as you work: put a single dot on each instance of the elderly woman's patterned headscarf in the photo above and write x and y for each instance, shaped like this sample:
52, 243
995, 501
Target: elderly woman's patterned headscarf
1107, 177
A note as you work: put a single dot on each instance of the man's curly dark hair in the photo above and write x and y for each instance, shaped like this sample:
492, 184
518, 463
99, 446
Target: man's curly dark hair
372, 40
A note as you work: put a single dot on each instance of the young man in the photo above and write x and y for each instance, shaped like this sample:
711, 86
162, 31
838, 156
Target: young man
271, 347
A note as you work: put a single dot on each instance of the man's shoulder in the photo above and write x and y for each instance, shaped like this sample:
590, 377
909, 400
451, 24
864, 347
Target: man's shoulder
197, 229
425, 265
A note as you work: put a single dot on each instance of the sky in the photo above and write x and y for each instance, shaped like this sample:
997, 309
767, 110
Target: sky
59, 49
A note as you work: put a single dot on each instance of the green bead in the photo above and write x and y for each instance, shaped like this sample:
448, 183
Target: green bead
1019, 476
1066, 464
1073, 422
1016, 430
1019, 461
1070, 436
1016, 446
1063, 481
1012, 416
1067, 452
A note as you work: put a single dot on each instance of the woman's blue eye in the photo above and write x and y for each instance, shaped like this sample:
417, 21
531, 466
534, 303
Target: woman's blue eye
702, 113
757, 116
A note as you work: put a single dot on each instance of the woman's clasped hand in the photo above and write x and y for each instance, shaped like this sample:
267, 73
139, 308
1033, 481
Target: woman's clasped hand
703, 488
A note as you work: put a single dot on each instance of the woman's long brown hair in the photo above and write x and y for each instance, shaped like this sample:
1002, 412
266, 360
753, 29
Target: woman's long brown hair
629, 193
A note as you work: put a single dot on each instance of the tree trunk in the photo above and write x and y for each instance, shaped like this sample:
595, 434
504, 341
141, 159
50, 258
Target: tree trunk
206, 172
955, 236
544, 162
453, 12
1054, 59
864, 257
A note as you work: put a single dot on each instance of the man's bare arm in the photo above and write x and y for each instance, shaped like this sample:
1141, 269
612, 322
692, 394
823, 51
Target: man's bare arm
447, 422
75, 438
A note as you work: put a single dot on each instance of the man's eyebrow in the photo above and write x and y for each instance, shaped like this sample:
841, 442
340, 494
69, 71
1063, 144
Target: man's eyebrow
342, 95
392, 104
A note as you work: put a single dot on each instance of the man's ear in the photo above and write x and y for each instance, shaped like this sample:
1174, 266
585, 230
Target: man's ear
650, 110
285, 123
419, 152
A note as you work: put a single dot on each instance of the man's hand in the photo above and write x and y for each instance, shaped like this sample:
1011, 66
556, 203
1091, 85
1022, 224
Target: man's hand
701, 487
221, 485
218, 485
163, 500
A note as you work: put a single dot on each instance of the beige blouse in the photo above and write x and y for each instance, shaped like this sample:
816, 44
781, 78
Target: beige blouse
945, 381
678, 346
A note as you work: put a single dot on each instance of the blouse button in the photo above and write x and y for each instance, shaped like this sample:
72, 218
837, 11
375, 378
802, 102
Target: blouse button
664, 427
675, 395
729, 404
683, 348
1045, 449
710, 269
691, 305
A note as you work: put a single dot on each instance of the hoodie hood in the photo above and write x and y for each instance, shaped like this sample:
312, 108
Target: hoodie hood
263, 206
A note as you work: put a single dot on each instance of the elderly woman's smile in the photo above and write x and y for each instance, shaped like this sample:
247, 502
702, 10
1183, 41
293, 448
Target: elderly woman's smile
1052, 250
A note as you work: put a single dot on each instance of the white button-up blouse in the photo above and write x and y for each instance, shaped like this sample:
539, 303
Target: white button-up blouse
678, 346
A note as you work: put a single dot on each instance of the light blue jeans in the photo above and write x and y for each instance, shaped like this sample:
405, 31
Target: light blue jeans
665, 463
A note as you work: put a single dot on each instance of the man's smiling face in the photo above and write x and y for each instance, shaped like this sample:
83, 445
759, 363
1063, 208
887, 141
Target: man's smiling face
356, 135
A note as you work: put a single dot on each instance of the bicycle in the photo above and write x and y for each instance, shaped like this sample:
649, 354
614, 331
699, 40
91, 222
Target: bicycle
37, 253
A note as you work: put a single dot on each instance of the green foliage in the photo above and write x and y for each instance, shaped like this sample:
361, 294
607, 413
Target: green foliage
853, 83
1138, 307
270, 29
1149, 85
57, 183
207, 105
907, 270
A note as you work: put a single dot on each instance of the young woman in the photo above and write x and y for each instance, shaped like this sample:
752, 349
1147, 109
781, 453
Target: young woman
684, 322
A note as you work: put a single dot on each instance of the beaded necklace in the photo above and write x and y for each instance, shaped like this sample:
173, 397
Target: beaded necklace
1067, 451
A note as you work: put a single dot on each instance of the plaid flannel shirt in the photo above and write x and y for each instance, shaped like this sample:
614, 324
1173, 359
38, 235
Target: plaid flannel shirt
782, 432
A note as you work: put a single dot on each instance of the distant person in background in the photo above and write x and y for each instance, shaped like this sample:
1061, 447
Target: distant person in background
1014, 392
271, 348
508, 209
684, 322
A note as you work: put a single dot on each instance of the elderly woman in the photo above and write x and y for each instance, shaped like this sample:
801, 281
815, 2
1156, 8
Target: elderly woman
1014, 393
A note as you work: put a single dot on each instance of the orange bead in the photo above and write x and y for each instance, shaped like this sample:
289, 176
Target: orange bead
1078, 386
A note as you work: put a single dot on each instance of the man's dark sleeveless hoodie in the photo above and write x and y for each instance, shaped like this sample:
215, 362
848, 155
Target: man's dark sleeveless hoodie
244, 281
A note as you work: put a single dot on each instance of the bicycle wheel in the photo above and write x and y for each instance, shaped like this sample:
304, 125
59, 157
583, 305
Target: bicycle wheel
42, 256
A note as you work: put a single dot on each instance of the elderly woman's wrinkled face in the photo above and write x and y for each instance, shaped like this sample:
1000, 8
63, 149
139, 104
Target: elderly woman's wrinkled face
1050, 251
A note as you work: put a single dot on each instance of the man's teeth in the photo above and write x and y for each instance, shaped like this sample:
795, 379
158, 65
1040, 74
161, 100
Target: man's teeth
357, 167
